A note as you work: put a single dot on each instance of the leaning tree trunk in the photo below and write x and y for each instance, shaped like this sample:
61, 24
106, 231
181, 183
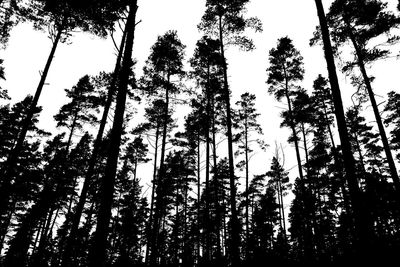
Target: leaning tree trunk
8, 172
360, 214
97, 256
76, 217
17, 253
378, 118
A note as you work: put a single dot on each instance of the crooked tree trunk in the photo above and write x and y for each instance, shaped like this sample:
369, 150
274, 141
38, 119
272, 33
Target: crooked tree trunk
97, 257
67, 251
360, 214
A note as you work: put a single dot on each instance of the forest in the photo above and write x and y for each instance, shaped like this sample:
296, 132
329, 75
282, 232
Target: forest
162, 166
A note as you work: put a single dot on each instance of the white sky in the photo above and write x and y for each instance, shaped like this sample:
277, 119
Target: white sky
27, 52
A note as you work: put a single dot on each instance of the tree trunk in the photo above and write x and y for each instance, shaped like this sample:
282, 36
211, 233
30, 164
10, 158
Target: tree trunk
246, 145
207, 189
235, 229
17, 253
5, 192
378, 118
216, 193
98, 251
283, 211
158, 205
303, 130
153, 191
360, 214
198, 198
66, 255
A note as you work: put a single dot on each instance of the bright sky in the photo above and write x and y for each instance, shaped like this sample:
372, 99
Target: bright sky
28, 49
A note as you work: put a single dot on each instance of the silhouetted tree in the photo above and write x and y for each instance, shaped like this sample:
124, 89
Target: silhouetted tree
225, 20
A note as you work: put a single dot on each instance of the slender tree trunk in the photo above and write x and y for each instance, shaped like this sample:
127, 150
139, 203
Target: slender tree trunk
153, 191
303, 130
98, 251
159, 205
246, 145
294, 132
198, 198
360, 213
217, 184
278, 192
338, 164
17, 254
12, 159
283, 211
308, 246
4, 227
76, 217
207, 189
235, 227
378, 118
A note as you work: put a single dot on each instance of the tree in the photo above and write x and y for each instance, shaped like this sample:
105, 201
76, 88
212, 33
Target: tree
245, 121
63, 16
284, 73
206, 64
163, 64
360, 22
97, 257
57, 187
359, 209
28, 177
279, 180
111, 84
154, 115
225, 20
393, 119
80, 109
